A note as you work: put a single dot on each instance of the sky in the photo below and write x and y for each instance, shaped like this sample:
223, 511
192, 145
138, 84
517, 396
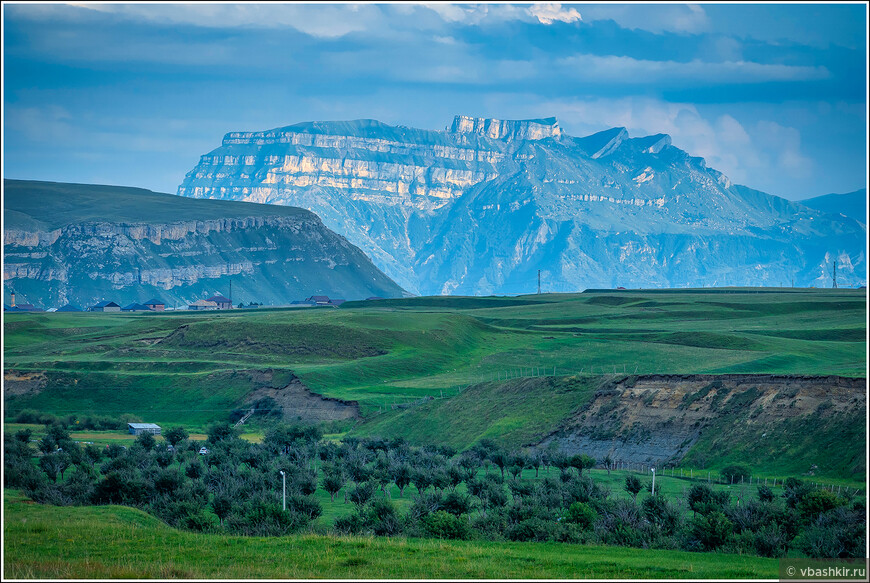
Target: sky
773, 95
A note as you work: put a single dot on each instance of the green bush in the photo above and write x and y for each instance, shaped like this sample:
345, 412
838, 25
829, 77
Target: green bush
442, 524
581, 514
712, 530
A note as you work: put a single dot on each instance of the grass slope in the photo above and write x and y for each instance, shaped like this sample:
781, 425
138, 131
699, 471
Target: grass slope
383, 353
53, 205
113, 542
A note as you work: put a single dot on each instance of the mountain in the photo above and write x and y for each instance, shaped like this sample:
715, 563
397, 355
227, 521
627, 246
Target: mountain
852, 204
480, 207
80, 243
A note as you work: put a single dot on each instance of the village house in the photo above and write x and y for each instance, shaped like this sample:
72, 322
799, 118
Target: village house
202, 305
156, 304
134, 307
105, 306
223, 303
318, 300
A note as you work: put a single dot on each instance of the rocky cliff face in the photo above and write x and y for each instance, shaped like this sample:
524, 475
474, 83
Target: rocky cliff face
273, 255
480, 207
657, 419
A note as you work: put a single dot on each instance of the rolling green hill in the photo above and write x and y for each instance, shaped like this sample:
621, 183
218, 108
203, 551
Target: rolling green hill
520, 366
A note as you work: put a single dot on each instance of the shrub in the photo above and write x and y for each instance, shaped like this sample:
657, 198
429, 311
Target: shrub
816, 502
771, 541
441, 524
765, 493
581, 514
533, 529
349, 524
712, 530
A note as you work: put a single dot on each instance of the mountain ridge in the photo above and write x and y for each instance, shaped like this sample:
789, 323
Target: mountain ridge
603, 210
78, 243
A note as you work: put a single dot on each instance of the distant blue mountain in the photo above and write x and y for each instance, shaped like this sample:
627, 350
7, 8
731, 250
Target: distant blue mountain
480, 207
852, 204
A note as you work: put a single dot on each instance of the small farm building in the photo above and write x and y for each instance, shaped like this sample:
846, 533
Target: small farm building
202, 305
223, 303
105, 306
140, 428
156, 304
134, 307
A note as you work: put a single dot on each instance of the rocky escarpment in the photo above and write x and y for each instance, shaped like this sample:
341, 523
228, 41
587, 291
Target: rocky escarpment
272, 255
656, 419
480, 207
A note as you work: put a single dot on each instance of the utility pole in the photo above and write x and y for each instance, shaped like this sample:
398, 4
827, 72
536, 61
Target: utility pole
835, 273
283, 490
231, 293
539, 282
654, 481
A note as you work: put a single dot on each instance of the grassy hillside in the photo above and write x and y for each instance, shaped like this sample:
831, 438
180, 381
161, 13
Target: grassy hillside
51, 205
384, 353
113, 542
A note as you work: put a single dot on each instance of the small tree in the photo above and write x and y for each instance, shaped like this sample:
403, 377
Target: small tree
176, 435
402, 477
333, 482
633, 486
582, 462
147, 441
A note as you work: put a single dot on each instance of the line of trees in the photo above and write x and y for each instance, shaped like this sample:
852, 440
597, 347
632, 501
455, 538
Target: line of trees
476, 494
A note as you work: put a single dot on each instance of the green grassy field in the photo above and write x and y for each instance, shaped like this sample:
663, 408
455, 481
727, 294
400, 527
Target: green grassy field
191, 369
114, 542
180, 367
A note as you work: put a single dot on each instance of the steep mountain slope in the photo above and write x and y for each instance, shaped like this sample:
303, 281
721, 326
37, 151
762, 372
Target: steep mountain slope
84, 243
481, 207
851, 204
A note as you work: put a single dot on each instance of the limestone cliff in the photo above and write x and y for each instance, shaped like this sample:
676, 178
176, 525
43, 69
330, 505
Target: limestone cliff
480, 207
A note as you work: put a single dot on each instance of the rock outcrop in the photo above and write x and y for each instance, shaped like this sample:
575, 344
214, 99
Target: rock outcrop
160, 245
480, 207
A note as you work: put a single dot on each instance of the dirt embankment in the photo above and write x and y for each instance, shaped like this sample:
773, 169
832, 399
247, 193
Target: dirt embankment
657, 418
17, 383
297, 401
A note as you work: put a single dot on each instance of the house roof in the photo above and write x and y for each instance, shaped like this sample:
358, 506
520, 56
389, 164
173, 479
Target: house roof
317, 299
219, 299
107, 304
203, 303
136, 307
69, 308
143, 425
155, 302
336, 301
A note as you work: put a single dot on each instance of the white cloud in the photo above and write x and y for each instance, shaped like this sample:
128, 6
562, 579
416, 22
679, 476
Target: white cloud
627, 70
741, 152
550, 13
682, 18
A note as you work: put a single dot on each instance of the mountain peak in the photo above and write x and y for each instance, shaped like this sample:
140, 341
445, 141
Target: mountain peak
509, 129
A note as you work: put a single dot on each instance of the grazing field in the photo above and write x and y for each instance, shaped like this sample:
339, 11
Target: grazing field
519, 364
115, 542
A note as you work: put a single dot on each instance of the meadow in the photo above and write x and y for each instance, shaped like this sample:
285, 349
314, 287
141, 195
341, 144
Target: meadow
111, 542
184, 367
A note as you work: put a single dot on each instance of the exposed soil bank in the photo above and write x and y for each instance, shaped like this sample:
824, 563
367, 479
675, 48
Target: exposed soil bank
658, 418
